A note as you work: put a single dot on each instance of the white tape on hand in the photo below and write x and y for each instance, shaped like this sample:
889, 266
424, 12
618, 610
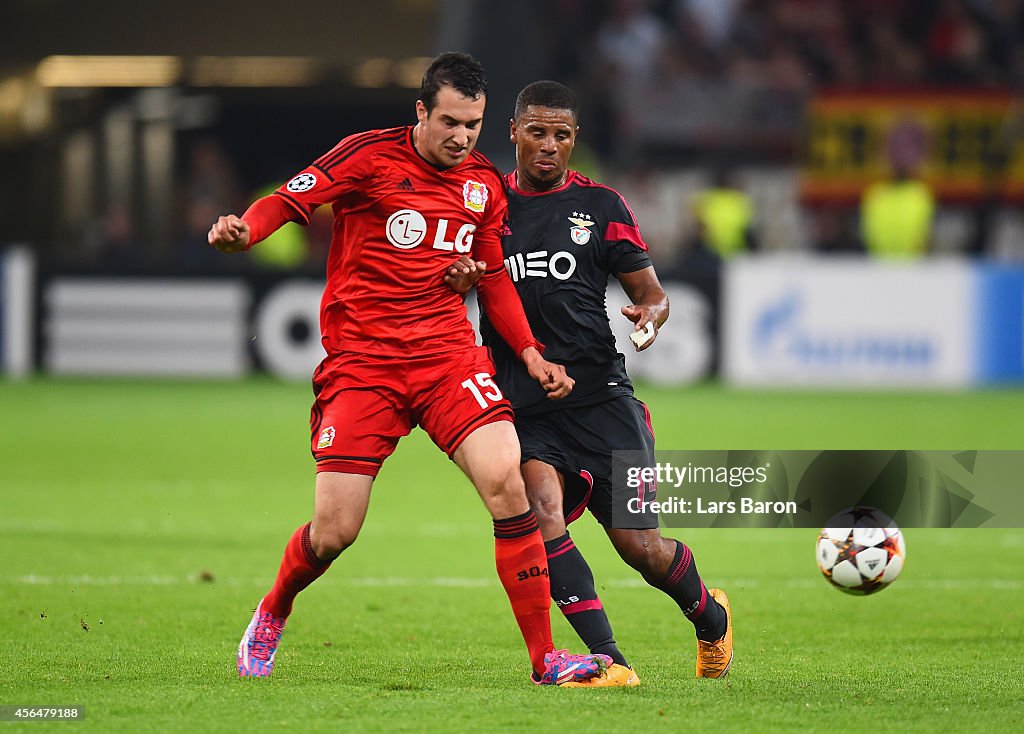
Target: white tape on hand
642, 336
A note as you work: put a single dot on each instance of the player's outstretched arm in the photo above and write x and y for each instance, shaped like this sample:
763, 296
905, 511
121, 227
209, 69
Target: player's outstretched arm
265, 216
649, 310
229, 234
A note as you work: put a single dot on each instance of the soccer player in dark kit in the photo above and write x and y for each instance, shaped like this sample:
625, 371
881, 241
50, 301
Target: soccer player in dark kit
401, 352
567, 235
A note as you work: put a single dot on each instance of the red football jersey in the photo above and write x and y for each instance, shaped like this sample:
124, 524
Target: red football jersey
398, 223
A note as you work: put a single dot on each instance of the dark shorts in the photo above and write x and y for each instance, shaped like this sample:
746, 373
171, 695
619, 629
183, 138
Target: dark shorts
579, 442
365, 404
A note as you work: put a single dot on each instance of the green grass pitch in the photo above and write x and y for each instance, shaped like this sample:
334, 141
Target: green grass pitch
141, 521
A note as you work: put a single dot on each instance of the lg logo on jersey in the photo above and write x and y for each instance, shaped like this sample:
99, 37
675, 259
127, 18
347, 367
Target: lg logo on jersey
407, 228
561, 265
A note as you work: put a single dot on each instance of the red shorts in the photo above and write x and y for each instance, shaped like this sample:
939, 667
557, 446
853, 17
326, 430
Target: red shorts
364, 404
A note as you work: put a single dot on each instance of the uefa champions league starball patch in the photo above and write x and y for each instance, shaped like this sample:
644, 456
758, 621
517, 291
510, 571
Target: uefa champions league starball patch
474, 196
302, 182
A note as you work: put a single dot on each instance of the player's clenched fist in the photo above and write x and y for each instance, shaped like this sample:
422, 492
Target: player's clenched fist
464, 273
229, 234
552, 377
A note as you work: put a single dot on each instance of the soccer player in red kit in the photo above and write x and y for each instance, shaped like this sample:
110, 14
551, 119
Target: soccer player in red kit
401, 352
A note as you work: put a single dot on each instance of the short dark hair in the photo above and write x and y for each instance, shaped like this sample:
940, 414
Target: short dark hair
454, 69
547, 94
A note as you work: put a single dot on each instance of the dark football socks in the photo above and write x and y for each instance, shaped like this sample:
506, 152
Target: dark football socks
683, 584
299, 568
572, 588
523, 570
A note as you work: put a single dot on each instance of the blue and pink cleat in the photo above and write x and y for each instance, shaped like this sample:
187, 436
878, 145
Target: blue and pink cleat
562, 667
258, 647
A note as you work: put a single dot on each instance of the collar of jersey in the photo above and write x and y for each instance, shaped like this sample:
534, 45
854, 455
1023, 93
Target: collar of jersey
514, 185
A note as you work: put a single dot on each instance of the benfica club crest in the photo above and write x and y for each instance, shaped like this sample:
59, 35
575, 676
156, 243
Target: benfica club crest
474, 196
580, 233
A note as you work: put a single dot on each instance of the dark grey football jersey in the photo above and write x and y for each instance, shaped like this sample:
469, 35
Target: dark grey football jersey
561, 248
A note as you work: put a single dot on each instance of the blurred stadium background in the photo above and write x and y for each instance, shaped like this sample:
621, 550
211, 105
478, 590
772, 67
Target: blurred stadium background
831, 190
746, 134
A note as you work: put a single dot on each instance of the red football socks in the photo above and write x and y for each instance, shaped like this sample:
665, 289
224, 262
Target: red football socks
523, 569
299, 568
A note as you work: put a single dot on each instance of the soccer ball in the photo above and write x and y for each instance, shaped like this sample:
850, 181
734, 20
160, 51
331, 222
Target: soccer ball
861, 551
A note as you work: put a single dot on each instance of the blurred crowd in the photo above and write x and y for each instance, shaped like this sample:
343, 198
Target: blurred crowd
209, 185
693, 110
718, 91
790, 47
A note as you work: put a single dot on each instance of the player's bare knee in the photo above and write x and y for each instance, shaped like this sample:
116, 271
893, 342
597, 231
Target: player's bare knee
502, 491
544, 492
329, 542
502, 481
548, 509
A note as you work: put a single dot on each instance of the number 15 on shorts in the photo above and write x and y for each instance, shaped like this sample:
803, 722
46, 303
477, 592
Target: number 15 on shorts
480, 383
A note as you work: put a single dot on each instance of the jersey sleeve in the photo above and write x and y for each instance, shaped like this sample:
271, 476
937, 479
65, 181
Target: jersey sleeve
624, 248
265, 216
334, 175
498, 297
